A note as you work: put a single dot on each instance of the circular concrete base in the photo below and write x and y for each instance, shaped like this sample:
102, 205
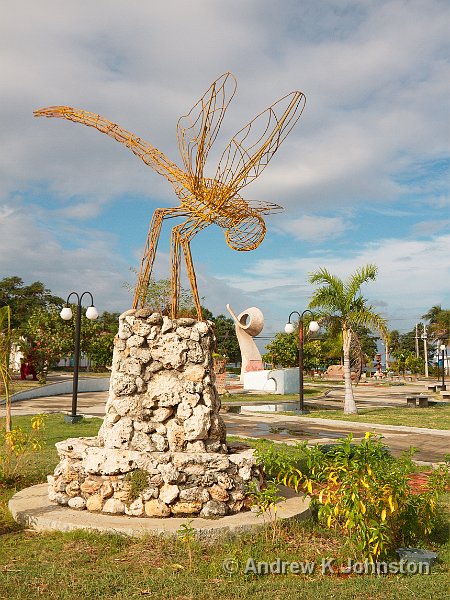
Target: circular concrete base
31, 507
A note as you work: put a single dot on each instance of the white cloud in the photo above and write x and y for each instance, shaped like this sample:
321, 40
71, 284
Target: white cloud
315, 229
92, 263
426, 228
375, 73
365, 118
412, 276
35, 254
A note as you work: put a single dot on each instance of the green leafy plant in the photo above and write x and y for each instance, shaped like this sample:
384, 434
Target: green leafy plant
364, 492
186, 535
289, 464
137, 481
266, 499
16, 445
159, 296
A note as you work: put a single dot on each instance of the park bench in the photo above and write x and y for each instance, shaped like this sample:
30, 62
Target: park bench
432, 388
411, 401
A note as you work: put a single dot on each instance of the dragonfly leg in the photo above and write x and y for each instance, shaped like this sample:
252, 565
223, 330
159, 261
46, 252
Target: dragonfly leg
191, 274
151, 245
181, 237
175, 255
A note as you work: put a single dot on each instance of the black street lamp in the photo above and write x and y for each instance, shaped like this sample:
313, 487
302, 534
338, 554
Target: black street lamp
443, 348
289, 328
66, 314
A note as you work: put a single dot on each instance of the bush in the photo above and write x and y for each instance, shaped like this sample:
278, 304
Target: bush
362, 491
16, 445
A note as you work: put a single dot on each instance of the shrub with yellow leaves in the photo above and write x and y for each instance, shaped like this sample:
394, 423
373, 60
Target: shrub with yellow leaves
364, 492
17, 444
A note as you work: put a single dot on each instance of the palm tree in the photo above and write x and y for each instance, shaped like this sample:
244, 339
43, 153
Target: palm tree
439, 320
343, 307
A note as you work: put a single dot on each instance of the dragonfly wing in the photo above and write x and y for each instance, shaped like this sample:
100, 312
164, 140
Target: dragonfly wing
145, 151
251, 149
198, 130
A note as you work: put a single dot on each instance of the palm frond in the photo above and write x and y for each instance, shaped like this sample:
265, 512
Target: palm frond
323, 276
325, 298
355, 281
367, 317
330, 295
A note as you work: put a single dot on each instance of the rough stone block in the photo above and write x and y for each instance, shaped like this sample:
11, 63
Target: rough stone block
168, 493
186, 508
214, 508
135, 509
77, 503
94, 503
156, 508
114, 506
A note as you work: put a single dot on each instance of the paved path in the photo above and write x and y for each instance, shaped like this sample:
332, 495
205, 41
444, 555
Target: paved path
432, 444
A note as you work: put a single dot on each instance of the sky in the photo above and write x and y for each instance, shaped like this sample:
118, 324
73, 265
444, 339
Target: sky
363, 177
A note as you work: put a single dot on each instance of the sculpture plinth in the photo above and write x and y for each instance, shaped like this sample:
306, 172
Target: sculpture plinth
161, 449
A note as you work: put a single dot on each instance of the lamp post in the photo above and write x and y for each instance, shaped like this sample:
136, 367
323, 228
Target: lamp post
289, 328
425, 349
442, 349
66, 314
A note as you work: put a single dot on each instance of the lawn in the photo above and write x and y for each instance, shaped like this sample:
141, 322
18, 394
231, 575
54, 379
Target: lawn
309, 392
83, 565
23, 385
434, 417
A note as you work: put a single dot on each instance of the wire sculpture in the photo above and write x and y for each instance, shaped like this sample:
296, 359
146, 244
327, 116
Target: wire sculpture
204, 200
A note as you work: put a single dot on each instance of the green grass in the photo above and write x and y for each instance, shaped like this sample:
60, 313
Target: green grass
22, 385
80, 565
18, 385
83, 565
309, 392
38, 465
433, 417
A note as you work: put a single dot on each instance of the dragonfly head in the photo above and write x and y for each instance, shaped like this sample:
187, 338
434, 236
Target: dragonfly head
246, 234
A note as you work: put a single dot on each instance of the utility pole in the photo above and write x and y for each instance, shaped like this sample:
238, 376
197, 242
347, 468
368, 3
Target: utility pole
425, 349
417, 341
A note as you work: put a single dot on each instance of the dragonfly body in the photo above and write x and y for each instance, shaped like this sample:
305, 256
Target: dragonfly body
204, 200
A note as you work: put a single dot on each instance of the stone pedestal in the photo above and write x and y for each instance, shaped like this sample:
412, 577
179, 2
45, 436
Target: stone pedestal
161, 449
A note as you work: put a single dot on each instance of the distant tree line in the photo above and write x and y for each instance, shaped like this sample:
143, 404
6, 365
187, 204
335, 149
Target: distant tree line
44, 338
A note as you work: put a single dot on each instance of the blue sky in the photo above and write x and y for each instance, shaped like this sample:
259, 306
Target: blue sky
363, 177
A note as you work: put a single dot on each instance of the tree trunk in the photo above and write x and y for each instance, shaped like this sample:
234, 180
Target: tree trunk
349, 401
8, 420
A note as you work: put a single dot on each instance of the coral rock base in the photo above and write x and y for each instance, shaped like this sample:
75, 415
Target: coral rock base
153, 484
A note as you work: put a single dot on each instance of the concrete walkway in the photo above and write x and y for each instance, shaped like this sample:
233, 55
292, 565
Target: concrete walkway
432, 444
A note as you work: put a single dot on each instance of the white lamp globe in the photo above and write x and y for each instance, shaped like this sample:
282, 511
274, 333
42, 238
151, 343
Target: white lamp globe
92, 313
314, 326
289, 328
66, 313
442, 347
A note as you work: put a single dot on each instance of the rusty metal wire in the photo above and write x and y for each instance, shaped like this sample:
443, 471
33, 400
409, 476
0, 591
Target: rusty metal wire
204, 201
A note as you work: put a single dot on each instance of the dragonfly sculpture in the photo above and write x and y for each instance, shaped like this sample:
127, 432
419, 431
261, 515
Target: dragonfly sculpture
204, 200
